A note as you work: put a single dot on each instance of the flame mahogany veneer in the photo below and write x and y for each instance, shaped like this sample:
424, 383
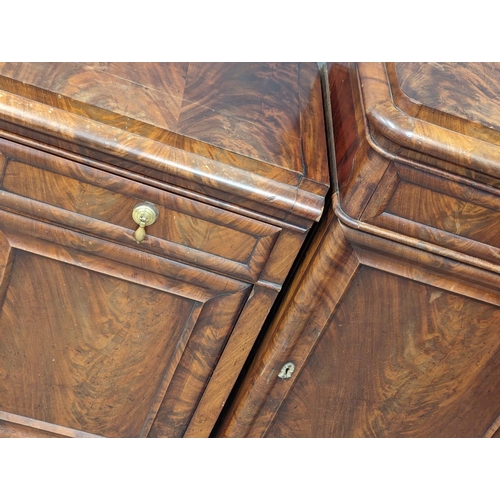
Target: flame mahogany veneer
392, 318
104, 337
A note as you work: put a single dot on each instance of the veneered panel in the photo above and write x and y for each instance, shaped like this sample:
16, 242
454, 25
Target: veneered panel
398, 359
467, 90
154, 91
110, 206
448, 213
85, 350
230, 111
224, 102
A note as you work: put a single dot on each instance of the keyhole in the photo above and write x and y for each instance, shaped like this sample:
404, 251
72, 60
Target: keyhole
286, 371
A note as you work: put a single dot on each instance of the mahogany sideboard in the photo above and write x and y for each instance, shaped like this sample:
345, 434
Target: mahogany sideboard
391, 325
112, 325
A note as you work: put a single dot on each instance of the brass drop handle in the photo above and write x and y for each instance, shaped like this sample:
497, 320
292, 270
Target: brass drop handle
144, 214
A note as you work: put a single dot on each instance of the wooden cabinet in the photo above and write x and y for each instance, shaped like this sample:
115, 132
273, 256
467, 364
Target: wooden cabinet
390, 327
100, 335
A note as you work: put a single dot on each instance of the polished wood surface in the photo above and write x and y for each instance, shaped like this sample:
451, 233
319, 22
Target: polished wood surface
466, 90
84, 339
214, 103
404, 128
396, 371
391, 318
184, 123
104, 337
387, 340
37, 183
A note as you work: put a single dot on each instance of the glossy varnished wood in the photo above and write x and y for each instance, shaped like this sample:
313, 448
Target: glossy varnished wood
211, 102
467, 90
76, 326
401, 189
387, 341
385, 368
149, 339
392, 317
263, 120
38, 184
440, 140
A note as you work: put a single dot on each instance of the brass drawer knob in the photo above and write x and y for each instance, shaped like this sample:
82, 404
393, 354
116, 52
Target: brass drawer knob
144, 214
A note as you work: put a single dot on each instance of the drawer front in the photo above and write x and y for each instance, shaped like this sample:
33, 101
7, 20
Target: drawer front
54, 189
451, 212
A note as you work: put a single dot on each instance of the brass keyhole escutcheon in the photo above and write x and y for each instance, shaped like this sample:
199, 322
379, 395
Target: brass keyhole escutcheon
144, 214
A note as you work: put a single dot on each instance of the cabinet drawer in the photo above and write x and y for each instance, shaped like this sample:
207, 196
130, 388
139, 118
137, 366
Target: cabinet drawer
87, 199
451, 212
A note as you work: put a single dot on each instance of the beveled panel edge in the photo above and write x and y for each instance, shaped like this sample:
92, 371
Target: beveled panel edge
378, 212
170, 369
155, 183
307, 305
32, 423
86, 251
339, 251
231, 361
493, 428
415, 134
199, 171
480, 264
198, 363
75, 170
106, 231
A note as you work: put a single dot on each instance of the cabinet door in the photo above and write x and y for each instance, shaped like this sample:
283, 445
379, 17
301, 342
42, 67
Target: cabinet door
387, 340
92, 334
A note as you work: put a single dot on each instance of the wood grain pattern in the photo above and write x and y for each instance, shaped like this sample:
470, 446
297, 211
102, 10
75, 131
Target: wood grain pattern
197, 365
468, 90
383, 368
186, 230
10, 430
392, 187
410, 281
266, 95
76, 326
234, 356
72, 380
6, 261
392, 317
261, 119
449, 211
423, 137
99, 335
292, 333
15, 426
344, 118
493, 430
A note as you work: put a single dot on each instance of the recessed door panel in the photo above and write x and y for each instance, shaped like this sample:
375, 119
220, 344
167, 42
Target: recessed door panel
398, 359
92, 344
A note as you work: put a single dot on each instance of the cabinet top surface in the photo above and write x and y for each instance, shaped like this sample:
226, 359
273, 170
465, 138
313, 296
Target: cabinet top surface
263, 120
470, 91
256, 110
450, 111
